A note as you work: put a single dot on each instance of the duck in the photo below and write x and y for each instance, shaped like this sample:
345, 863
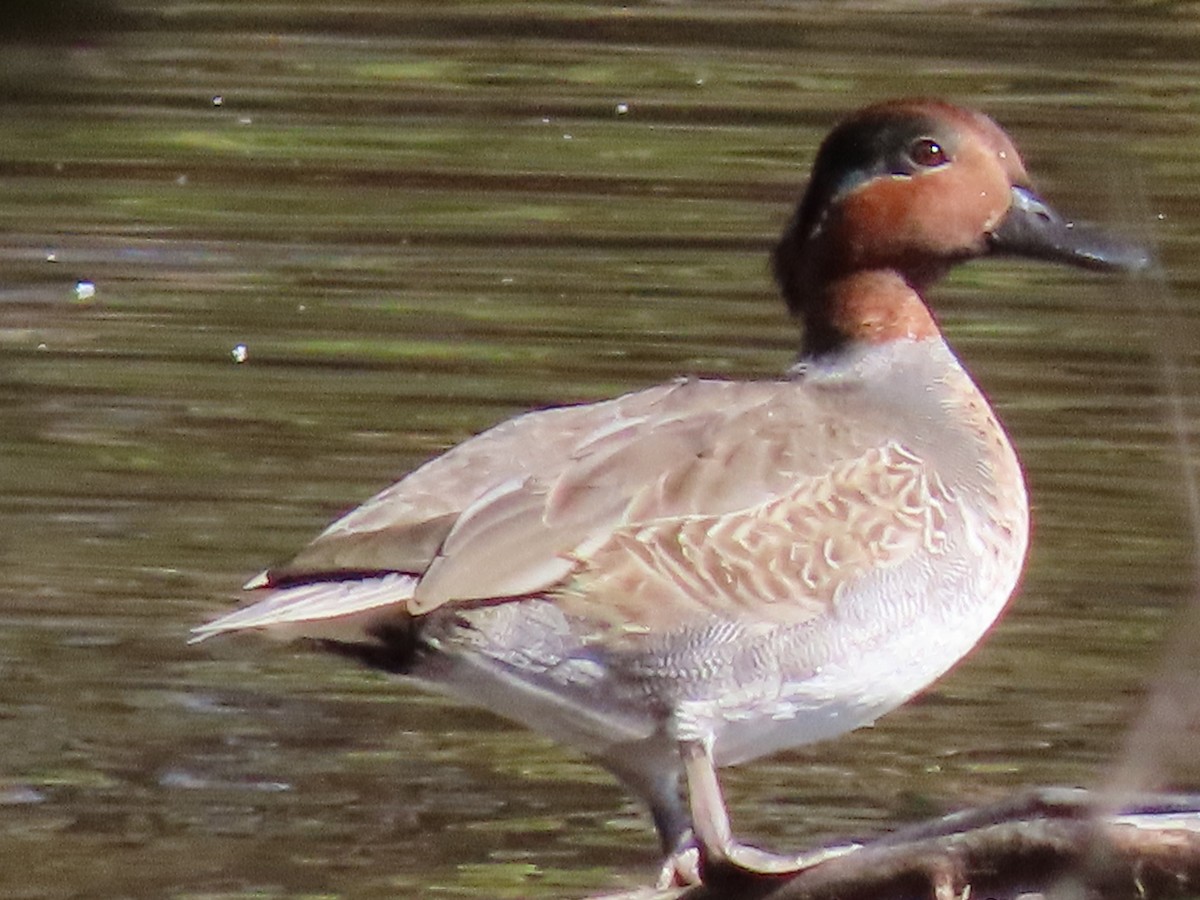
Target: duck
705, 572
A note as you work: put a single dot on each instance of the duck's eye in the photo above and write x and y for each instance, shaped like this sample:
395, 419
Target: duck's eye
927, 153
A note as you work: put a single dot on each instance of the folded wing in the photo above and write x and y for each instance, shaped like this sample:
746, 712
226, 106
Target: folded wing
663, 497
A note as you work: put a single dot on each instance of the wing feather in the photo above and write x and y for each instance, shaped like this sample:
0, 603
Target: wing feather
326, 609
660, 495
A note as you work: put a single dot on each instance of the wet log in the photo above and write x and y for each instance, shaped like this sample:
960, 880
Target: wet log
1050, 842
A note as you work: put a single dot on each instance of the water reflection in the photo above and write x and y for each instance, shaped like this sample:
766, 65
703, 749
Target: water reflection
384, 211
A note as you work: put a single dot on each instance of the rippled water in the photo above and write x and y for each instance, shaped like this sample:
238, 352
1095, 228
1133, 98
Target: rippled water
421, 219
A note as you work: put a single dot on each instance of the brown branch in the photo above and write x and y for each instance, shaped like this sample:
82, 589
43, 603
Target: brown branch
1042, 842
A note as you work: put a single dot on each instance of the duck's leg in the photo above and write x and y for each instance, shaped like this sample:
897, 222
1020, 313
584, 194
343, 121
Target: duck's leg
712, 834
651, 770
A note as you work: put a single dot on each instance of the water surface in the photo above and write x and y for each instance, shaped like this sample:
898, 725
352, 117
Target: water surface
421, 219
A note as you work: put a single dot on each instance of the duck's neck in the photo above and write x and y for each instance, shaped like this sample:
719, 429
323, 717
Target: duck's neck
873, 306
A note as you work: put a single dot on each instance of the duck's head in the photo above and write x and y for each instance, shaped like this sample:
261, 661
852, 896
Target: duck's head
900, 192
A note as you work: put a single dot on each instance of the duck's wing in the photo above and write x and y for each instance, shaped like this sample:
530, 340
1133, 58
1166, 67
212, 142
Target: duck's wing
545, 499
538, 463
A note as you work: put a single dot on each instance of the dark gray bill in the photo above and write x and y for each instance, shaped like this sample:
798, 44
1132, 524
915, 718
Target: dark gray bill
1032, 228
